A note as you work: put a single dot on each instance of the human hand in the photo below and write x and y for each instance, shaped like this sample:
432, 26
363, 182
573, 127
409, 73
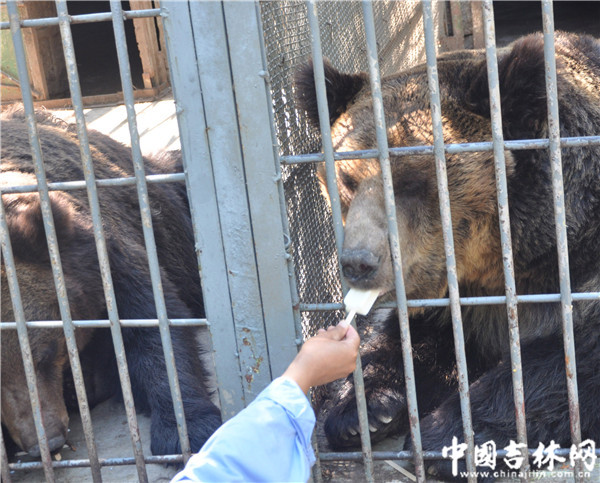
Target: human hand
329, 355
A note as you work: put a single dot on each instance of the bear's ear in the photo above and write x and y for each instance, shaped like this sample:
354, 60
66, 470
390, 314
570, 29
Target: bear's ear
521, 73
341, 90
26, 225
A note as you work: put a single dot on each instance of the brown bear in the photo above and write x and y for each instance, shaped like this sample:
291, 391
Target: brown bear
366, 260
132, 286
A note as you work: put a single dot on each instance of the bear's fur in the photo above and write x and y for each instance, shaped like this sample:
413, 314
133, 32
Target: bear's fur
130, 275
366, 259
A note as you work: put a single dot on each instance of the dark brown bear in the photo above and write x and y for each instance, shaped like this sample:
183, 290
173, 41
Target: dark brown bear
130, 274
366, 255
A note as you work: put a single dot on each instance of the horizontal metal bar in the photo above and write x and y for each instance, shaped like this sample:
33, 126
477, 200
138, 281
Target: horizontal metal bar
84, 18
100, 324
332, 456
78, 185
516, 145
444, 302
83, 463
428, 455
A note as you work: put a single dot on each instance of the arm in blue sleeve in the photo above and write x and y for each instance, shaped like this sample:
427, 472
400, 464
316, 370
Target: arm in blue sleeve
267, 441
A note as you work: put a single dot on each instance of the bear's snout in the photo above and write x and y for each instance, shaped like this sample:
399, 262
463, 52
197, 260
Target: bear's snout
359, 265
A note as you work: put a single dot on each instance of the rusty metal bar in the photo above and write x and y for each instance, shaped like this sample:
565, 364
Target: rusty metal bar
505, 235
560, 222
444, 198
78, 185
85, 18
9, 261
82, 463
142, 189
427, 455
394, 237
98, 324
58, 276
510, 145
100, 241
445, 302
15, 295
4, 469
323, 109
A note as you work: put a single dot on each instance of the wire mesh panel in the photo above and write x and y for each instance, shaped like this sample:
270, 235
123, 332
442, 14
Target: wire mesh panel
287, 45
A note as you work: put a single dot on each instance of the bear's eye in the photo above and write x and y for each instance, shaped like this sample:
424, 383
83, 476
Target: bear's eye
348, 181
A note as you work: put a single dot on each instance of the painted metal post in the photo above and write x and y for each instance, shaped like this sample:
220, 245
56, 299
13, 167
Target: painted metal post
263, 178
220, 137
187, 92
226, 156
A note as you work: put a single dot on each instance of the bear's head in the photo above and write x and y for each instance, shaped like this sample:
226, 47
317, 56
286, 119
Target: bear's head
366, 260
39, 303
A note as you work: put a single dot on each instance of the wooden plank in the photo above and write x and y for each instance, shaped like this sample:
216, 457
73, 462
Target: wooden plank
45, 58
141, 95
152, 57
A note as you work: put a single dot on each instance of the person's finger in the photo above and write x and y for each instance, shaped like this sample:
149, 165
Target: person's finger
321, 331
352, 337
337, 332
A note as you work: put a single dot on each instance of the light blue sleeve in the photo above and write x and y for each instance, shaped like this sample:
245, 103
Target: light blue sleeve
267, 441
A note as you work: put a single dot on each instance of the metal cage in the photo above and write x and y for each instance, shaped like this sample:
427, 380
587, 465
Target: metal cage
246, 164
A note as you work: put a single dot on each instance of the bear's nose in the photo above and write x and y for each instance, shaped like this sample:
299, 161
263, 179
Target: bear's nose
359, 265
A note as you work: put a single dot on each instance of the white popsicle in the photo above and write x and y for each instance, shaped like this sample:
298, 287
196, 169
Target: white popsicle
358, 302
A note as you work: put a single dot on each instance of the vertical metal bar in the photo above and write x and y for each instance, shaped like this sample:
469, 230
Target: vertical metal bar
4, 469
64, 306
390, 208
560, 221
442, 179
327, 143
142, 189
15, 295
187, 92
505, 235
103, 257
7, 249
